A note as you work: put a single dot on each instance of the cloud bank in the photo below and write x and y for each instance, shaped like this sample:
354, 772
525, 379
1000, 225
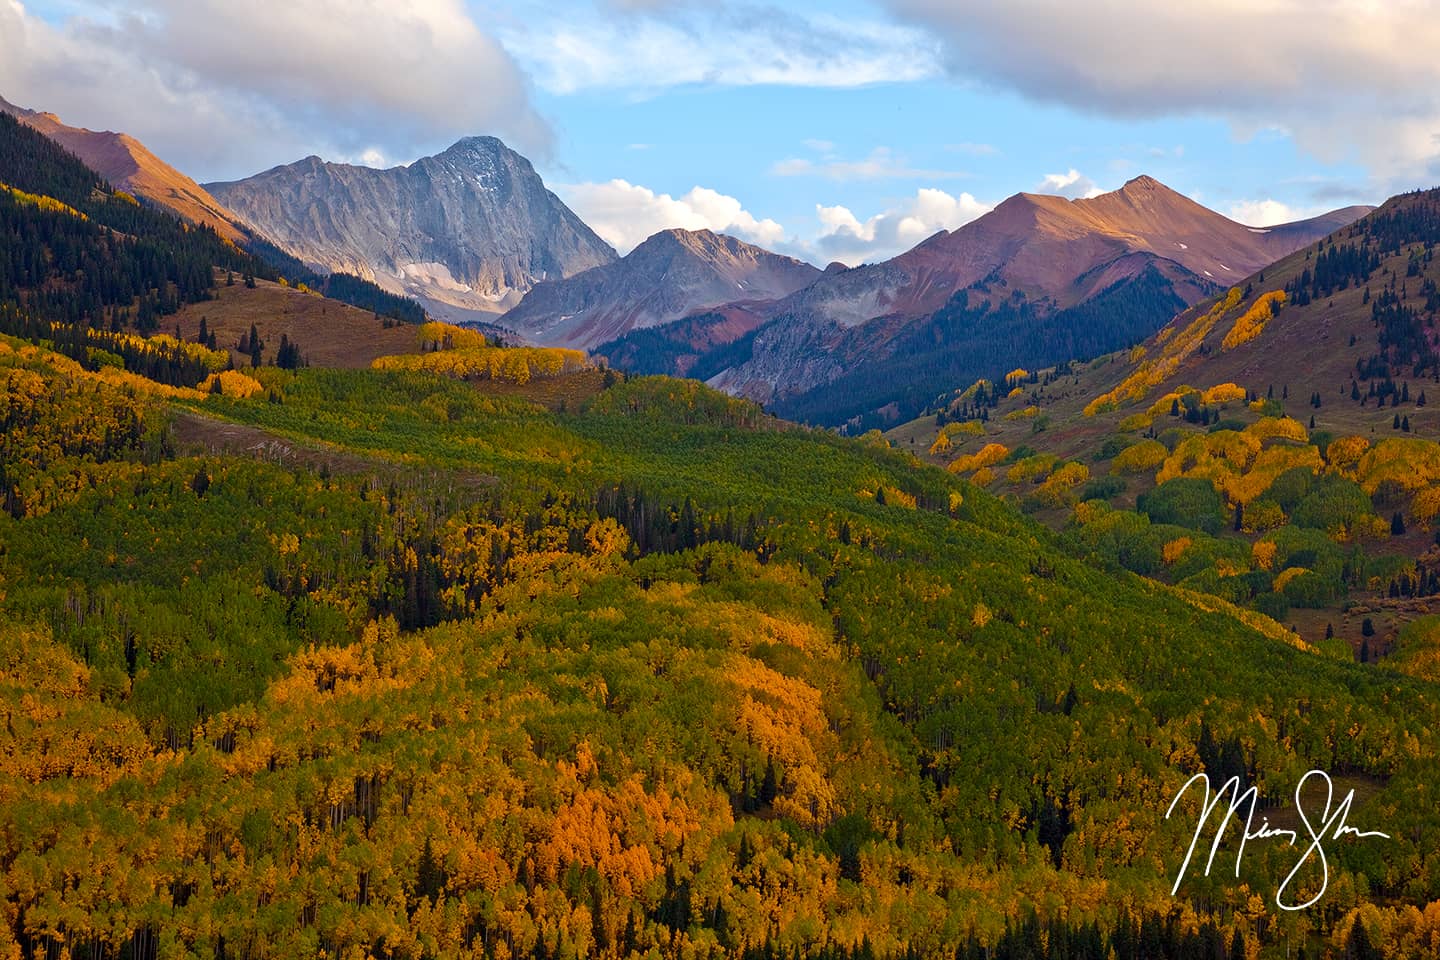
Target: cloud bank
624, 214
846, 238
218, 87
1347, 79
649, 46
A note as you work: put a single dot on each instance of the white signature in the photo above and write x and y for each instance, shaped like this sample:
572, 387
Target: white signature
1332, 825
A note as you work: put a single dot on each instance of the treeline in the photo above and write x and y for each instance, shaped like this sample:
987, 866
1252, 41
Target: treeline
1336, 268
1414, 218
169, 363
684, 348
111, 260
345, 287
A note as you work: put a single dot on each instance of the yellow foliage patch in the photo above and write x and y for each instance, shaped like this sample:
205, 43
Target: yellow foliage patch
232, 383
1175, 549
1344, 454
1142, 457
1209, 455
1028, 413
983, 477
1018, 375
1223, 393
1285, 428
974, 388
945, 438
1263, 553
1162, 406
1177, 348
986, 456
1426, 505
1058, 489
1267, 467
434, 335
1408, 463
506, 364
48, 204
1136, 421
1252, 322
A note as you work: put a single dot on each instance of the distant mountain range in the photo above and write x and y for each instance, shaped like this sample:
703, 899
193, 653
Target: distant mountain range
474, 234
1038, 280
467, 231
128, 165
670, 276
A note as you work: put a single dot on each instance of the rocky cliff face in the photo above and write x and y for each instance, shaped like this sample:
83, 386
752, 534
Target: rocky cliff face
670, 276
469, 229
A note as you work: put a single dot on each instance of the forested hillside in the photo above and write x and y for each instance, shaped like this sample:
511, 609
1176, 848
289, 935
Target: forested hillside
1275, 446
659, 676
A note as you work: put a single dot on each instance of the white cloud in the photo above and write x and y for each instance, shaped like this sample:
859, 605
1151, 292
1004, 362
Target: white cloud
217, 87
881, 164
1072, 184
653, 46
624, 214
1269, 212
845, 238
1348, 79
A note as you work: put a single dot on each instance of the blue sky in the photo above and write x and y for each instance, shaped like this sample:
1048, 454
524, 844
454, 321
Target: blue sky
827, 131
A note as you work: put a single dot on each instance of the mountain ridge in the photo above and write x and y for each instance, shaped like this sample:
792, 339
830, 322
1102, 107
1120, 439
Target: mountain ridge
131, 166
671, 275
467, 231
1048, 253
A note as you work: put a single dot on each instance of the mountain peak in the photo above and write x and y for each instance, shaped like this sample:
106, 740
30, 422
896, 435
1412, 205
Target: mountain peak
467, 231
1144, 182
671, 274
476, 144
680, 233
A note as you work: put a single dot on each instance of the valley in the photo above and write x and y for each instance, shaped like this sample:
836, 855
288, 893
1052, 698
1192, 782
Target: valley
335, 621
